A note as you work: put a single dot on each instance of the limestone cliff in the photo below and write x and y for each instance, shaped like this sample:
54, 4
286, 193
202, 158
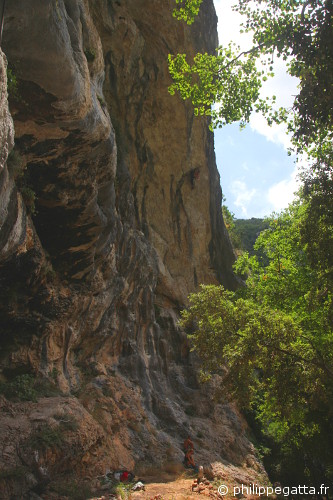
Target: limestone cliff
104, 232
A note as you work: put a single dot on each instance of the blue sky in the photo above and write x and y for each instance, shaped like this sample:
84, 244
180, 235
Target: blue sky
257, 175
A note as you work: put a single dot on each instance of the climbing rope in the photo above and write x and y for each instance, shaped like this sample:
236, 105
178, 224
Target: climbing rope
2, 19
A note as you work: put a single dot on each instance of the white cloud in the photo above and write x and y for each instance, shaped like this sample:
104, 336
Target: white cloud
275, 133
229, 25
282, 193
282, 85
242, 194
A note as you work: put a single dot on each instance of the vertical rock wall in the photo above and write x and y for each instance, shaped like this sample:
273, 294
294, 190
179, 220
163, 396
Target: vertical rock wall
11, 210
105, 232
160, 143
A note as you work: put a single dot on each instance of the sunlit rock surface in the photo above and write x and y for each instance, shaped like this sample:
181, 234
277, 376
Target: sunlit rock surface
104, 233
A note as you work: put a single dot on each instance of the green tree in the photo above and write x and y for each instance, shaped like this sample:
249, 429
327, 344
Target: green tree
248, 231
231, 81
272, 342
299, 31
229, 221
187, 10
243, 232
316, 228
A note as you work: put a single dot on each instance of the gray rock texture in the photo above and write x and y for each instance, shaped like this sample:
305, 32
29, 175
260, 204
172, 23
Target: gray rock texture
103, 236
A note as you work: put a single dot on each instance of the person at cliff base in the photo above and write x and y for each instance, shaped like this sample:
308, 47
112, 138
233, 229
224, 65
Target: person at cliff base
189, 454
188, 444
189, 460
123, 476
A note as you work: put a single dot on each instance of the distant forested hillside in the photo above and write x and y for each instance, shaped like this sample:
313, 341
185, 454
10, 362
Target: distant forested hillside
248, 230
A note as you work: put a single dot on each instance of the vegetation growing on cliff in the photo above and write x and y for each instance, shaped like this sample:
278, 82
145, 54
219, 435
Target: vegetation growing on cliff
187, 10
12, 85
26, 387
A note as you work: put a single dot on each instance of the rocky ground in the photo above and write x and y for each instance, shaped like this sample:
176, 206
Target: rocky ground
171, 482
183, 485
55, 446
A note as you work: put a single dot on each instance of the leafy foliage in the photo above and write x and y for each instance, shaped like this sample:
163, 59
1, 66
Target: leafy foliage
300, 32
187, 10
90, 55
29, 198
248, 231
49, 436
27, 387
243, 232
21, 388
13, 473
229, 221
316, 227
12, 85
17, 167
234, 82
15, 164
272, 342
46, 437
123, 490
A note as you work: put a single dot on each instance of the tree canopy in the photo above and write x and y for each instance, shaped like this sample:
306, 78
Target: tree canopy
243, 232
272, 342
299, 31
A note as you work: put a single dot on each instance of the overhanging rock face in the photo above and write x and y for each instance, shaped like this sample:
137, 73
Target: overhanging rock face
106, 235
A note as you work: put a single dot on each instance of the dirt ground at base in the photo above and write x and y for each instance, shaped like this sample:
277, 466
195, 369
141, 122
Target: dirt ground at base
179, 488
174, 488
174, 482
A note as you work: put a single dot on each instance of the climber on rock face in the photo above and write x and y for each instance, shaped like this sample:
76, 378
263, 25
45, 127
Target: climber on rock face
188, 444
194, 176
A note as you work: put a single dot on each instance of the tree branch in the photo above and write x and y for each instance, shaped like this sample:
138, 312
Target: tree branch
303, 10
245, 52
